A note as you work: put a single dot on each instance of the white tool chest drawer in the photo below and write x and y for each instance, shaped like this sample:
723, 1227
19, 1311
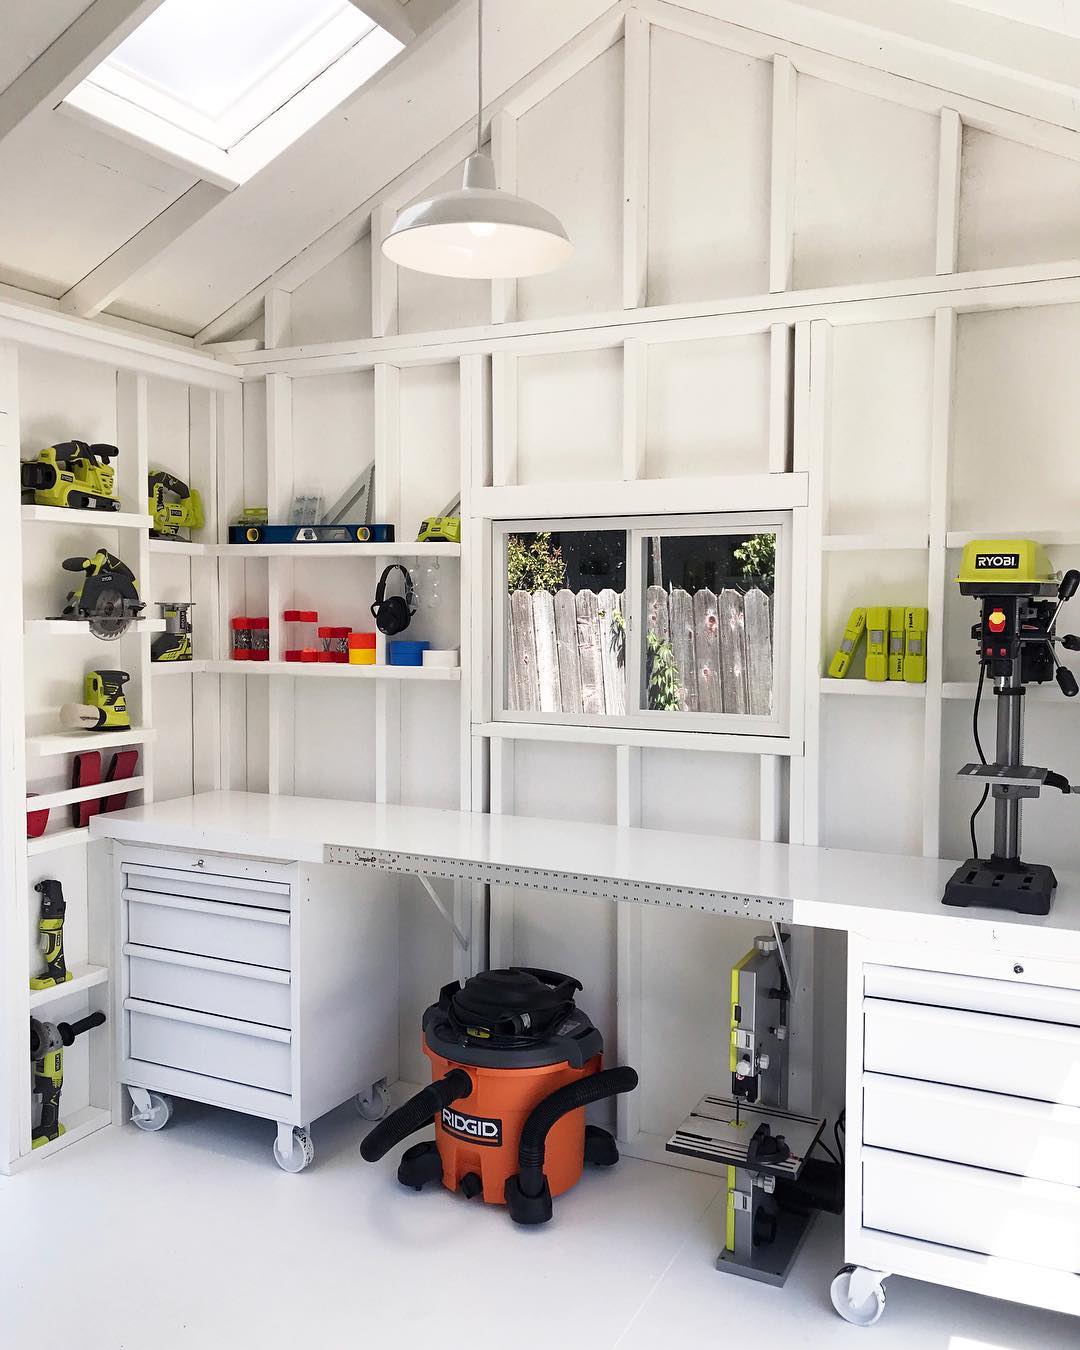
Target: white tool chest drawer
260, 892
1013, 1055
1019, 1219
227, 988
979, 1129
230, 932
972, 993
217, 1048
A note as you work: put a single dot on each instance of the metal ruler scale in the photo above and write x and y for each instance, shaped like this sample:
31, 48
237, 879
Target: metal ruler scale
727, 903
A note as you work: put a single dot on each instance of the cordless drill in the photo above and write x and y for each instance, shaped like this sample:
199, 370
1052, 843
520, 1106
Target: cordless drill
47, 1044
51, 928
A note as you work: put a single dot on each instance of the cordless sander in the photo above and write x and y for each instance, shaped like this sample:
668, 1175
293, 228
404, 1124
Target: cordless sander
514, 1064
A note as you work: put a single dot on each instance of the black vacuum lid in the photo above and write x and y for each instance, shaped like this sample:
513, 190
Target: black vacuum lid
520, 1017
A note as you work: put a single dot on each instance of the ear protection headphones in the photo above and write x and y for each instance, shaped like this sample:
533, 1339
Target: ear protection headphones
392, 613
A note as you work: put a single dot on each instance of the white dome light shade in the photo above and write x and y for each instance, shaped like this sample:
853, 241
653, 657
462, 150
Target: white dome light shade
478, 232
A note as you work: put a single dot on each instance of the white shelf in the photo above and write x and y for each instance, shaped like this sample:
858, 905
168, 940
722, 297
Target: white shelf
69, 796
84, 977
77, 1126
70, 742
1052, 538
50, 843
81, 627
305, 670
873, 688
405, 550
178, 667
911, 540
181, 548
63, 515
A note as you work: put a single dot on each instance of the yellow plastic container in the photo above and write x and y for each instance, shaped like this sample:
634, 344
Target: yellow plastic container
361, 656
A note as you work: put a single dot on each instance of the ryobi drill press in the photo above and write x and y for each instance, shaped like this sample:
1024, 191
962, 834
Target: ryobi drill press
1021, 595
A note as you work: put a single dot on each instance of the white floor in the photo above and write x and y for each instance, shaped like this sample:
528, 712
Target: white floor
193, 1237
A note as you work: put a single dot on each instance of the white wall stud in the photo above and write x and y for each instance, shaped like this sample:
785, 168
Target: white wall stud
782, 197
635, 407
277, 319
950, 150
504, 294
504, 419
279, 474
636, 98
384, 278
781, 339
628, 944
940, 438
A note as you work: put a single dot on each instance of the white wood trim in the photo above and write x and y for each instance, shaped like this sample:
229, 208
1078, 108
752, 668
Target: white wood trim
815, 430
944, 375
782, 194
277, 319
133, 431
644, 496
387, 507
204, 437
280, 733
1033, 284
504, 294
709, 742
97, 290
950, 149
504, 418
501, 904
636, 105
86, 42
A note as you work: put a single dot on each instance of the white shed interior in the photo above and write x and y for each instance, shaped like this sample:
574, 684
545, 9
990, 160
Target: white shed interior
825, 282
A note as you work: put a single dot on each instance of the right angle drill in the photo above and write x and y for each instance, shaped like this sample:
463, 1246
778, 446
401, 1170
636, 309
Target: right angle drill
47, 1044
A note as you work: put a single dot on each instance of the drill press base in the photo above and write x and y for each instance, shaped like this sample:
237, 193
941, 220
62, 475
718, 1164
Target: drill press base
1019, 887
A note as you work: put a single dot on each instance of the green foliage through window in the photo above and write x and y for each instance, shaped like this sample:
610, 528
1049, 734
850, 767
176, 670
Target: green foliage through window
662, 675
757, 558
534, 566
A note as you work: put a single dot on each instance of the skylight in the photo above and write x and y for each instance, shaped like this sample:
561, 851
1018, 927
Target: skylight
222, 86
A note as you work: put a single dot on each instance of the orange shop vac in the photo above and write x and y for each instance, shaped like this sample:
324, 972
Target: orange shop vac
514, 1064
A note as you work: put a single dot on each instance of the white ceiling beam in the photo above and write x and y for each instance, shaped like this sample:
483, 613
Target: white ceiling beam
84, 44
390, 15
100, 287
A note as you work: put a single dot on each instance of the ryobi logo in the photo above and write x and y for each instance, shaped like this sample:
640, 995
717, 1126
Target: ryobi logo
997, 562
476, 1129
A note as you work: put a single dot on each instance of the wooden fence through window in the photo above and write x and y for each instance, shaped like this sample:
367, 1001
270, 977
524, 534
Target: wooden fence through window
566, 650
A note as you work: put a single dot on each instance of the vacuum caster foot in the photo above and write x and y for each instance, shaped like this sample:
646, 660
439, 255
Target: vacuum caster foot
150, 1111
470, 1185
528, 1209
420, 1165
600, 1147
375, 1102
858, 1295
293, 1149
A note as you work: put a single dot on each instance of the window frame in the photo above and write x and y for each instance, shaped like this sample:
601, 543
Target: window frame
637, 530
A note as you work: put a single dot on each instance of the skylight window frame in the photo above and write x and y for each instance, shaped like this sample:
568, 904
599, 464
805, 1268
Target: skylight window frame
107, 100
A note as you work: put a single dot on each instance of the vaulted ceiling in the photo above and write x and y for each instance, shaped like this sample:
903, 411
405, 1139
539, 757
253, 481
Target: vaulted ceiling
101, 225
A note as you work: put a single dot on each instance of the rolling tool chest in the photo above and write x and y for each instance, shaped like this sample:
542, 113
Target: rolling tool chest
265, 987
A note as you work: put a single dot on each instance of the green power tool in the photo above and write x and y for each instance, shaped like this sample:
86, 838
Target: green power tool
173, 505
105, 707
51, 928
73, 474
47, 1044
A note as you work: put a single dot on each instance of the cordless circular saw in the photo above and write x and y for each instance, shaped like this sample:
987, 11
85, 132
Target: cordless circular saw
173, 505
107, 598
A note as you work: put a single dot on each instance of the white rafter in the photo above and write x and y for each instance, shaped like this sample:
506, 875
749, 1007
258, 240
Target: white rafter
390, 15
98, 30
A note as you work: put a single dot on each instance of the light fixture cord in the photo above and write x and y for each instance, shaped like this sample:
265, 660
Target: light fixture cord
479, 72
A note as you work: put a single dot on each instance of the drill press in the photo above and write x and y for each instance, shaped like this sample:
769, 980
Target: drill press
1020, 596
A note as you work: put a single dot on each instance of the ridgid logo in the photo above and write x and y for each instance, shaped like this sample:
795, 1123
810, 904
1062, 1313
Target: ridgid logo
997, 561
477, 1129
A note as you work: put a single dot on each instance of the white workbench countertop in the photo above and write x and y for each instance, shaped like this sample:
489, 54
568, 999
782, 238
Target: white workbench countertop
828, 888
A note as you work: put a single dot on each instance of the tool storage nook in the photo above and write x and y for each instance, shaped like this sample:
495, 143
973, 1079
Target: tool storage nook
541, 563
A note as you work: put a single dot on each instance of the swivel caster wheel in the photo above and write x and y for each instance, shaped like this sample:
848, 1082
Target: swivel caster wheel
375, 1102
151, 1111
302, 1153
858, 1295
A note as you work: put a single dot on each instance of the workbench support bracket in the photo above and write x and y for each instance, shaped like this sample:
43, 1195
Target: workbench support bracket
437, 900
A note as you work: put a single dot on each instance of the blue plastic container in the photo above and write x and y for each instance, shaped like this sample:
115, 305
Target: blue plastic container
408, 653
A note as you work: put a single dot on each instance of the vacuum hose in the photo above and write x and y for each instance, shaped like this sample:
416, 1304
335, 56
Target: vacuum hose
417, 1112
534, 1133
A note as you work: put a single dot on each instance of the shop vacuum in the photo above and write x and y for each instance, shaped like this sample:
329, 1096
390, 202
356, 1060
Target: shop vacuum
514, 1063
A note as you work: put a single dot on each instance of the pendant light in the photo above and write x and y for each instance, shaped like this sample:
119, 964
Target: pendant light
478, 231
